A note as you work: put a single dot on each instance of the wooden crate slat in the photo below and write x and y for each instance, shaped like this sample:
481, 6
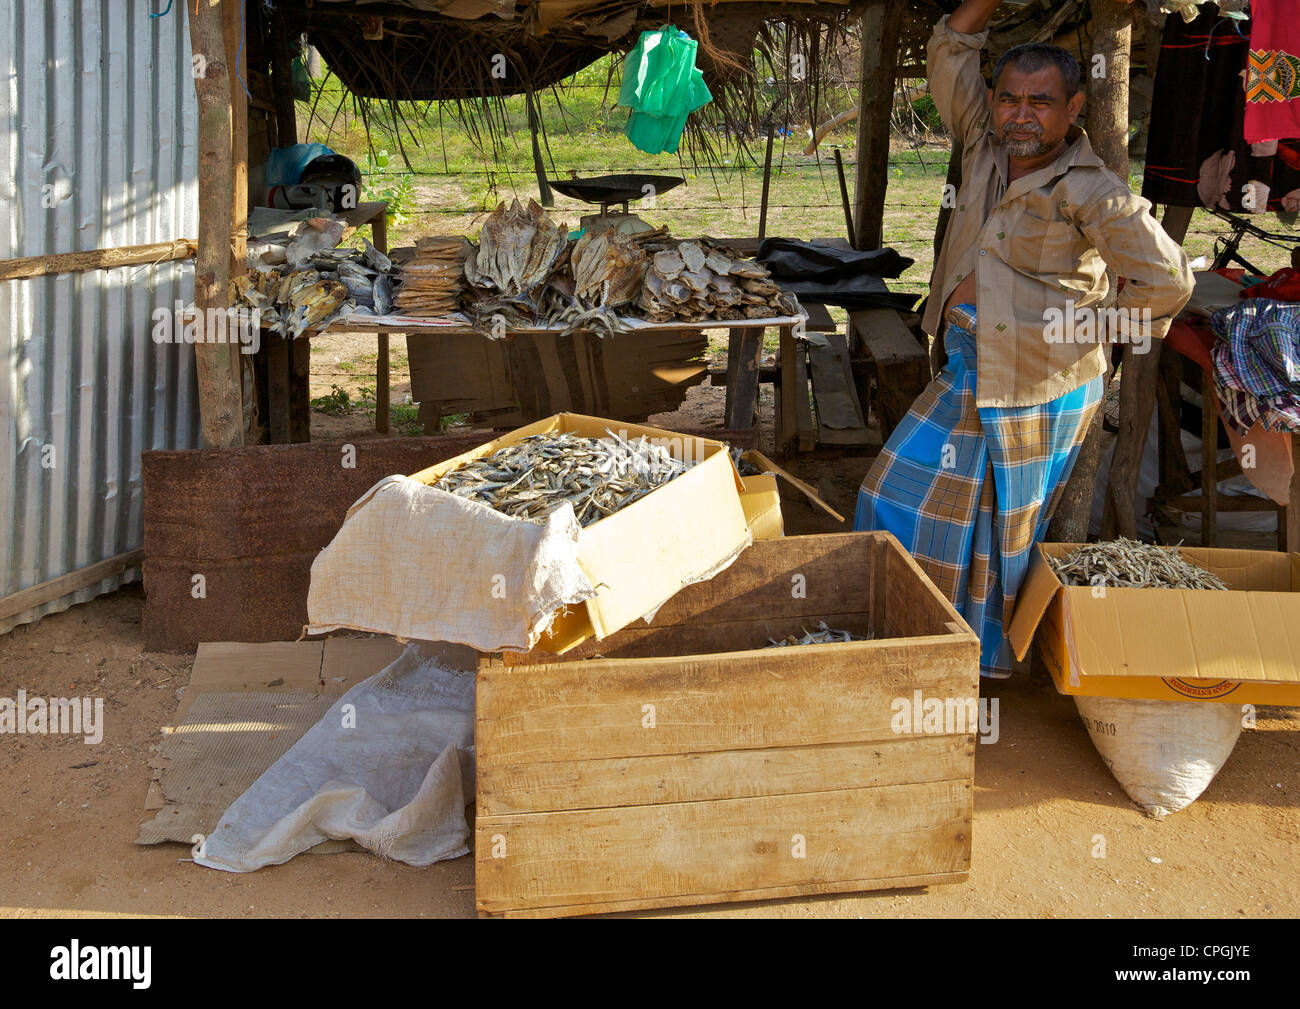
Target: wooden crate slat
777, 697
711, 847
693, 777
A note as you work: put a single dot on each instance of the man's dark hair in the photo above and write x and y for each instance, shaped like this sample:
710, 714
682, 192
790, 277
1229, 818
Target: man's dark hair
1032, 56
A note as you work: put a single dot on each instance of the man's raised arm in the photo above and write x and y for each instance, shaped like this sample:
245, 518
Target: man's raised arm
953, 67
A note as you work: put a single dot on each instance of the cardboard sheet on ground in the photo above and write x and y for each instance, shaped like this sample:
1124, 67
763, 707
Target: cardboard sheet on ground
245, 705
390, 766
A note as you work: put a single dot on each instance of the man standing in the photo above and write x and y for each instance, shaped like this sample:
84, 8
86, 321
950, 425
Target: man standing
970, 477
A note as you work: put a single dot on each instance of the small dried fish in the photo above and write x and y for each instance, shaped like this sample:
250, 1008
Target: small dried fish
1125, 563
538, 474
822, 636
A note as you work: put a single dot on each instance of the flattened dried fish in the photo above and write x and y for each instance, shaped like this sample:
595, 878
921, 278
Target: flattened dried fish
822, 636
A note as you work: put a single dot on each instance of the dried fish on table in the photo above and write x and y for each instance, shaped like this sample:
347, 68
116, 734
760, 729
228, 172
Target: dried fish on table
822, 636
433, 280
692, 283
538, 474
1125, 563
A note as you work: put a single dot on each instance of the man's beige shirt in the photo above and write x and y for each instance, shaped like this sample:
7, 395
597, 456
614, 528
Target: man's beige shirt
1038, 244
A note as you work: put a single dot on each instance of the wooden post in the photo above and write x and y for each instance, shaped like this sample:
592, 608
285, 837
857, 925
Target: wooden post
1107, 125
232, 29
882, 25
220, 394
844, 200
545, 198
286, 126
767, 184
379, 231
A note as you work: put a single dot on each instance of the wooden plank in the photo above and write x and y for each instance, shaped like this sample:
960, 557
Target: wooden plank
97, 259
743, 365
299, 391
56, 588
1288, 519
786, 416
913, 604
733, 700
277, 389
702, 638
803, 401
819, 319
840, 419
713, 847
768, 893
1209, 462
1227, 503
729, 774
901, 363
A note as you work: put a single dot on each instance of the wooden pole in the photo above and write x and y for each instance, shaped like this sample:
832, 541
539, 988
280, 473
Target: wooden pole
539, 166
844, 200
220, 396
96, 259
881, 27
286, 126
233, 28
1107, 126
767, 185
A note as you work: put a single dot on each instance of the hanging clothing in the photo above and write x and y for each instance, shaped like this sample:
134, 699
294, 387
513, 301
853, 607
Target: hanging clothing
662, 86
1273, 72
969, 490
1284, 285
1257, 364
1197, 152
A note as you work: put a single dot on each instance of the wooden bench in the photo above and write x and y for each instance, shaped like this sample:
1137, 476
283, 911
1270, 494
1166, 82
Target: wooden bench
900, 364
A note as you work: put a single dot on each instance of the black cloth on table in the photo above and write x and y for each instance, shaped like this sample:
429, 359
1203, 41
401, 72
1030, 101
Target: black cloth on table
830, 275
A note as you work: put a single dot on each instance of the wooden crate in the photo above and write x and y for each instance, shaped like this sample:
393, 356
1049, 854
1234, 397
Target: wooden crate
755, 757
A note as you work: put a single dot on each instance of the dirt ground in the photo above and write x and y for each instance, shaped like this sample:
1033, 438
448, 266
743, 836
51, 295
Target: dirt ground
1043, 799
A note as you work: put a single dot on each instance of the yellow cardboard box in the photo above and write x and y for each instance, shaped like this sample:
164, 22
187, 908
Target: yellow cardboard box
1241, 646
761, 497
683, 532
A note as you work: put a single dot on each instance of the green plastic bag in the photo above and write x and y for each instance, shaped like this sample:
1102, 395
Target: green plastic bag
662, 86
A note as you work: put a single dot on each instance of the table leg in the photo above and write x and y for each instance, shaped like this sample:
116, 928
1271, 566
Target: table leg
1209, 462
787, 419
1288, 518
277, 389
381, 386
744, 360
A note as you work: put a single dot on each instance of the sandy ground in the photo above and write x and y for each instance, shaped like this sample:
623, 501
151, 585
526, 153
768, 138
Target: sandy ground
1042, 796
1044, 802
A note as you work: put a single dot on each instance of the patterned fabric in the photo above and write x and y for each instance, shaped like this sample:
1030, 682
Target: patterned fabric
1273, 72
1272, 76
1035, 242
969, 490
1257, 364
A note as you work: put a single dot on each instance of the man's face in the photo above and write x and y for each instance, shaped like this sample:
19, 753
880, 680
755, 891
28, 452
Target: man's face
1031, 113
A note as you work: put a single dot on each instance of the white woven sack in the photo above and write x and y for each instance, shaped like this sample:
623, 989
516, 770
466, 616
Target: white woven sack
1164, 754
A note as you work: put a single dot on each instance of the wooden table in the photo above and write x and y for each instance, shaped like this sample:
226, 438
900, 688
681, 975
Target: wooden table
1189, 340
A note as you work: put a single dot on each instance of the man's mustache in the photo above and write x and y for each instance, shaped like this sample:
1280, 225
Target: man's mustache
1033, 128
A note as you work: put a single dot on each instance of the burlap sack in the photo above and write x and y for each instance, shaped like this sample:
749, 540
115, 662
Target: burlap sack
417, 562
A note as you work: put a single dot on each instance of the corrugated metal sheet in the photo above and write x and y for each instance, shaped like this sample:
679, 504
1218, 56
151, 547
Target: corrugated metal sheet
99, 152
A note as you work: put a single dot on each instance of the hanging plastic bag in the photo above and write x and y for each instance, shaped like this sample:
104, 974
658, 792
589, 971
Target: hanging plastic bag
662, 86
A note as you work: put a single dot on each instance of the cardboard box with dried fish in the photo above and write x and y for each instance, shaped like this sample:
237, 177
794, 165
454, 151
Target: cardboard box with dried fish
1126, 619
566, 528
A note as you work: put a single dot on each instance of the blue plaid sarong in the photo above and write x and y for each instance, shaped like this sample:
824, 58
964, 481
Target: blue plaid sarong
968, 490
